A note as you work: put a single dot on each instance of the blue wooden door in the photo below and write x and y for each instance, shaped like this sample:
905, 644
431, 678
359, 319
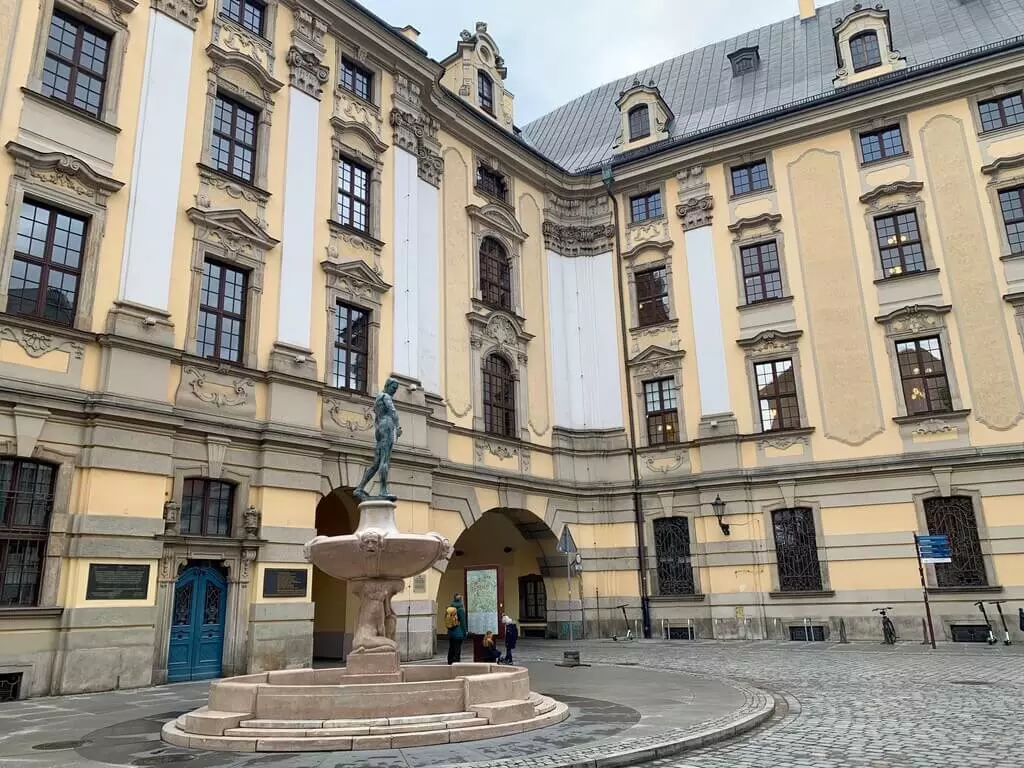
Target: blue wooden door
197, 625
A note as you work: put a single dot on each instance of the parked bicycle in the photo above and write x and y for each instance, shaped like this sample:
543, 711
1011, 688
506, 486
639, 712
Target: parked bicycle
888, 628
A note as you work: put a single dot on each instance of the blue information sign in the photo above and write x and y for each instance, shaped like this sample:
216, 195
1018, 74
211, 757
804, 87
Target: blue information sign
934, 549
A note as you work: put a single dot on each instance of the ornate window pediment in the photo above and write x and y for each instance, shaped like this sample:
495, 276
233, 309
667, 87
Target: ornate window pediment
656, 361
63, 171
234, 230
499, 331
244, 73
630, 104
356, 280
899, 194
864, 46
231, 39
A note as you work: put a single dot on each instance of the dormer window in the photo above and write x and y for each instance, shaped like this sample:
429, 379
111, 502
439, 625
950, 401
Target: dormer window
865, 51
639, 122
485, 92
491, 183
744, 60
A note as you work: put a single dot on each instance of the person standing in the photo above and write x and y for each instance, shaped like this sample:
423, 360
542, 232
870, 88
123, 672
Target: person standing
455, 621
511, 637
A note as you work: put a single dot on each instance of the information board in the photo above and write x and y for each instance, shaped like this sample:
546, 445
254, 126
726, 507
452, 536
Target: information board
285, 582
108, 581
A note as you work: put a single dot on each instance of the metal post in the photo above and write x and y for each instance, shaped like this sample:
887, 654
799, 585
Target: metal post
924, 591
568, 585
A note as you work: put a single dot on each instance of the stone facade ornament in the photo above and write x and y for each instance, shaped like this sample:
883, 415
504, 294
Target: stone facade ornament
696, 212
251, 522
415, 131
35, 344
220, 394
184, 11
916, 318
306, 72
770, 342
172, 518
578, 227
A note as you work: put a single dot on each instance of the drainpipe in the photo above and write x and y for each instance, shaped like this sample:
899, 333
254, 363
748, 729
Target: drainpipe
638, 514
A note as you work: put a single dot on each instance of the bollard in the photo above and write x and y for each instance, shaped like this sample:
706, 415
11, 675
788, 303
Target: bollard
842, 631
924, 631
571, 659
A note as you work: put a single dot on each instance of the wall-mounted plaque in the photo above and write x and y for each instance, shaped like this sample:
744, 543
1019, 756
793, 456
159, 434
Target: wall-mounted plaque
117, 582
285, 582
419, 584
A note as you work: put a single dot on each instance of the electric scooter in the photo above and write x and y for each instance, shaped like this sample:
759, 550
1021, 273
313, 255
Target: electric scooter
629, 631
991, 640
999, 607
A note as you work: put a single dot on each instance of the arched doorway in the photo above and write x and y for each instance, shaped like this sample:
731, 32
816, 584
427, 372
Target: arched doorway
335, 606
506, 561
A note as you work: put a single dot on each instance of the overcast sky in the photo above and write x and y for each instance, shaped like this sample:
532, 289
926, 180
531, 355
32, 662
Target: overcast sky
585, 42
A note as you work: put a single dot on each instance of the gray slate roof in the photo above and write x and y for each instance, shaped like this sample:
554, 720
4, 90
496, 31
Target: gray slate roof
798, 61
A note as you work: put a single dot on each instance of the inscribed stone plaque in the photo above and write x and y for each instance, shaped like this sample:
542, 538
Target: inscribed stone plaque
117, 582
419, 583
285, 582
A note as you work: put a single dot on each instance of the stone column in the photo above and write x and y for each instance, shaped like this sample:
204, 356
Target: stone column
306, 76
717, 417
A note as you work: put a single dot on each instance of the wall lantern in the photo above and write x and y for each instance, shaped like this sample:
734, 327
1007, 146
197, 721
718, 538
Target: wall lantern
719, 507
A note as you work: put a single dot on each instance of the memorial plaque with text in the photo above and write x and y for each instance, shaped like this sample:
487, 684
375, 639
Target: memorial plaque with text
285, 582
117, 582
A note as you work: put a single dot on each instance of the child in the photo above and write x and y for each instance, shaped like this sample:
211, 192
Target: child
511, 637
491, 654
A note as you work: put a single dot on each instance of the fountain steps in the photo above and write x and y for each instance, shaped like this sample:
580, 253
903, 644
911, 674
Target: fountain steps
252, 735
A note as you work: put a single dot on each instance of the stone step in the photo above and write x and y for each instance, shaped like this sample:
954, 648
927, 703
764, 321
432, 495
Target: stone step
508, 711
468, 720
544, 706
369, 722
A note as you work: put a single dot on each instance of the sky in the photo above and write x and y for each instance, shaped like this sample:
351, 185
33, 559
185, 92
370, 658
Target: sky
556, 50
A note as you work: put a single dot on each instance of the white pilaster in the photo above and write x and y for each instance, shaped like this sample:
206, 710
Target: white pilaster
428, 318
153, 204
406, 245
299, 225
707, 327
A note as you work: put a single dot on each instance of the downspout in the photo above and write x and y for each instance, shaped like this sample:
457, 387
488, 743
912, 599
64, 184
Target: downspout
638, 514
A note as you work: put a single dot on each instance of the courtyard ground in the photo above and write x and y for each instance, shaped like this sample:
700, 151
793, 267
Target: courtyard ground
834, 705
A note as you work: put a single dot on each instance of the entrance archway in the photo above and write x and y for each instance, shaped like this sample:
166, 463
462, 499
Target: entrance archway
334, 605
513, 553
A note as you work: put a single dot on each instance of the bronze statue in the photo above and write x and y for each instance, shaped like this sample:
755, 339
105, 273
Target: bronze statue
386, 432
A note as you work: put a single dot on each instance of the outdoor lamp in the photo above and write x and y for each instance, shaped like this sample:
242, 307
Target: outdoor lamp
719, 507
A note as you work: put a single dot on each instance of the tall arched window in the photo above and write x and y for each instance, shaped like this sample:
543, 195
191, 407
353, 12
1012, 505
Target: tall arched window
499, 397
864, 51
639, 122
485, 91
495, 274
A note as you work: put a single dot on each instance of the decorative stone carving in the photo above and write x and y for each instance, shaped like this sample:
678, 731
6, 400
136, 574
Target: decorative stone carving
665, 464
578, 227
308, 30
350, 109
909, 191
415, 131
216, 450
768, 222
172, 520
916, 318
351, 422
219, 394
251, 519
636, 334
36, 343
184, 11
240, 44
932, 427
208, 180
782, 442
306, 72
429, 165
647, 232
771, 342
696, 212
500, 450
63, 171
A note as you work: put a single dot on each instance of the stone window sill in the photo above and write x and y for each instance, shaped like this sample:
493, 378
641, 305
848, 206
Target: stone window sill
874, 165
964, 590
809, 594
262, 194
665, 325
30, 612
753, 193
338, 227
755, 305
907, 275
70, 110
917, 418
696, 597
494, 199
779, 433
649, 220
1017, 256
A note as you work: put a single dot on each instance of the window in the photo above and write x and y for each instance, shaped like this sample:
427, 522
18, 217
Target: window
953, 516
883, 144
652, 296
46, 269
499, 397
233, 146
206, 507
221, 324
1002, 112
796, 550
249, 14
661, 405
75, 68
533, 599
495, 274
864, 51
672, 555
356, 79
1011, 202
923, 376
762, 276
644, 207
354, 195
639, 122
351, 347
26, 504
491, 183
485, 90
899, 244
776, 395
750, 178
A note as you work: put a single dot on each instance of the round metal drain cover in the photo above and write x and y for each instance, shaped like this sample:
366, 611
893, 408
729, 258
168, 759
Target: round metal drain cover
55, 745
163, 759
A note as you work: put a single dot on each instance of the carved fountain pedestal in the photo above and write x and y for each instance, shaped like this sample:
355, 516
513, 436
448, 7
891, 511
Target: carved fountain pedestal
374, 702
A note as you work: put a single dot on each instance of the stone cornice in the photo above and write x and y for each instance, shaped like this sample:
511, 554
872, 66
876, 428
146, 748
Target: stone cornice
62, 170
771, 341
1001, 164
887, 190
696, 212
578, 239
184, 11
769, 220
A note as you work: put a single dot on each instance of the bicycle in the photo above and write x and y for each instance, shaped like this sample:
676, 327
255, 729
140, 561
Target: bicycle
888, 628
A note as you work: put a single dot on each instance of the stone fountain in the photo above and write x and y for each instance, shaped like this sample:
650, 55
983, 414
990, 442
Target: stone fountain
374, 702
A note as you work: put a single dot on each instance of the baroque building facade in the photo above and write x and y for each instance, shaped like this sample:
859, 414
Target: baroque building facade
742, 323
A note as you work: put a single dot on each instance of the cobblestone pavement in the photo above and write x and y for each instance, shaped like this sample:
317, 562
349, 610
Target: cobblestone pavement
855, 706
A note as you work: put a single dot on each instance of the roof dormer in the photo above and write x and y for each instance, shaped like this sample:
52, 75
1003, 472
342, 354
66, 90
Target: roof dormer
477, 72
745, 60
864, 47
643, 114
